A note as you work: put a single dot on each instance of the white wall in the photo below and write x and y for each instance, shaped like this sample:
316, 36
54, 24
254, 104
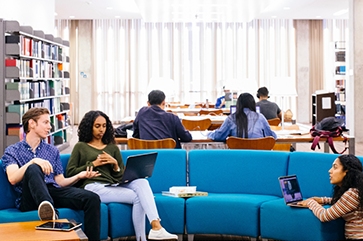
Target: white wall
39, 14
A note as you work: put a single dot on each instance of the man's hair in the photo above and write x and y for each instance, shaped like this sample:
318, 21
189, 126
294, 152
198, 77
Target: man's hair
263, 91
33, 114
156, 97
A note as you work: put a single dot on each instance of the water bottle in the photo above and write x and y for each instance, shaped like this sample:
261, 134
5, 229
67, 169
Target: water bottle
206, 103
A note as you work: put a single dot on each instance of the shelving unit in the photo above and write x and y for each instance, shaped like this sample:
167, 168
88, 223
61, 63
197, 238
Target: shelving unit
340, 77
32, 75
323, 105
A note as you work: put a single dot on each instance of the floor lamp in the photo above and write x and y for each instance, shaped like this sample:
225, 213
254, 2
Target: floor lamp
283, 87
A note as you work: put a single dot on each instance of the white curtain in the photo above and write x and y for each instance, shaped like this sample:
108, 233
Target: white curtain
199, 57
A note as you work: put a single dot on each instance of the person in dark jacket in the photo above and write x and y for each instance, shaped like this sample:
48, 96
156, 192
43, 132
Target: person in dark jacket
153, 123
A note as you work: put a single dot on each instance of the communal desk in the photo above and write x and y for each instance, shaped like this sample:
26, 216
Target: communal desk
199, 137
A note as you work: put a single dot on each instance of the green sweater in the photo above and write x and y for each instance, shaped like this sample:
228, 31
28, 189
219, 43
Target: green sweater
82, 157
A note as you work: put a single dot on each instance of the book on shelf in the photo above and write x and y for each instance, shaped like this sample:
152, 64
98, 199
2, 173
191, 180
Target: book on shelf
15, 130
18, 108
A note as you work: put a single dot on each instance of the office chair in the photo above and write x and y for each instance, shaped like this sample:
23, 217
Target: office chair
134, 143
266, 143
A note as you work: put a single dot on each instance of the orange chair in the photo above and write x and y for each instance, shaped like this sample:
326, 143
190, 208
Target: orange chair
134, 143
211, 112
274, 122
196, 125
266, 143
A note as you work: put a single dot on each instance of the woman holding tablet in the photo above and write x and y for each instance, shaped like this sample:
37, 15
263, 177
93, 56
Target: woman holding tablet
244, 123
346, 174
96, 148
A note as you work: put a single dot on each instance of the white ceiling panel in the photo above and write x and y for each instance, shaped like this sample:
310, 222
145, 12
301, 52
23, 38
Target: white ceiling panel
200, 10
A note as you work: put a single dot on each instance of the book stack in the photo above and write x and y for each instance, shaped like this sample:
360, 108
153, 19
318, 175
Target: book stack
184, 191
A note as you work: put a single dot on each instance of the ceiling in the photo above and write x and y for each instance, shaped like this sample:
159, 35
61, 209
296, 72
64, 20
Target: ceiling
201, 10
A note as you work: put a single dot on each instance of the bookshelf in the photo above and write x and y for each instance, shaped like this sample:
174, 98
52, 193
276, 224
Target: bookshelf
33, 74
340, 79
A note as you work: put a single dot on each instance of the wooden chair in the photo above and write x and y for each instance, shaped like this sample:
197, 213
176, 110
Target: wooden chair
211, 112
274, 122
196, 125
134, 143
266, 143
283, 146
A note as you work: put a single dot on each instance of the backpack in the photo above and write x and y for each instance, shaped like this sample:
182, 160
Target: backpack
329, 127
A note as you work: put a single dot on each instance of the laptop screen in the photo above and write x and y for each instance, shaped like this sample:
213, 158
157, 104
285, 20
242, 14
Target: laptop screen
290, 189
233, 109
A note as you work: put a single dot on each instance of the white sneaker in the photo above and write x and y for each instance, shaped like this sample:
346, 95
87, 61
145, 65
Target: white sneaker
161, 234
46, 211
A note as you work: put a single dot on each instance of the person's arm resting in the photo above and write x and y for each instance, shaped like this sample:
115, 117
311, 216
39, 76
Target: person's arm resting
347, 203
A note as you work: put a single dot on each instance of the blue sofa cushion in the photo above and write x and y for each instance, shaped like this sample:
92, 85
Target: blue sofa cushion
237, 171
170, 209
170, 168
232, 214
281, 222
7, 191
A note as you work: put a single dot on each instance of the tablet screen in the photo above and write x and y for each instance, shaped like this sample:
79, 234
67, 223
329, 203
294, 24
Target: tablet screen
59, 226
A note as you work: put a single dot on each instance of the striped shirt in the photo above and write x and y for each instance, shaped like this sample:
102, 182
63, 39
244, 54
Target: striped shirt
346, 207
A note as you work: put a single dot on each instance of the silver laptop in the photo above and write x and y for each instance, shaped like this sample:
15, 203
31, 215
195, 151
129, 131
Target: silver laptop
138, 166
291, 191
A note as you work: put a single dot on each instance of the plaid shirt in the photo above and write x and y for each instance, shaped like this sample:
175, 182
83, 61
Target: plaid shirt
21, 153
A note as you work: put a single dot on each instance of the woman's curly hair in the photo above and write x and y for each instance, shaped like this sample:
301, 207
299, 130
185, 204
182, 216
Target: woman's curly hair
85, 128
352, 179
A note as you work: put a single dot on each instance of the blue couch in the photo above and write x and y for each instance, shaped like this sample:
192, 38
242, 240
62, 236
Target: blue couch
9, 213
170, 170
244, 196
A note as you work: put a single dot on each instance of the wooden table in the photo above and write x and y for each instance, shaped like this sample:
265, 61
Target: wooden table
27, 231
199, 138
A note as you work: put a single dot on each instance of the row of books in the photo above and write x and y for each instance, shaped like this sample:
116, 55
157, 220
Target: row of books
35, 48
340, 96
340, 70
340, 109
340, 56
58, 138
15, 130
53, 105
340, 83
38, 89
35, 68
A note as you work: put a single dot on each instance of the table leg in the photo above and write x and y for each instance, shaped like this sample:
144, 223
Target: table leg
351, 144
326, 147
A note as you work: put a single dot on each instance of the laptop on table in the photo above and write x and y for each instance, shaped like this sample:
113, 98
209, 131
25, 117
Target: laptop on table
291, 191
138, 166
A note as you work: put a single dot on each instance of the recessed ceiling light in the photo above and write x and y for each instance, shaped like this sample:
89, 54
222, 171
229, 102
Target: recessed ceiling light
341, 12
273, 16
109, 8
71, 17
117, 16
55, 14
286, 8
318, 16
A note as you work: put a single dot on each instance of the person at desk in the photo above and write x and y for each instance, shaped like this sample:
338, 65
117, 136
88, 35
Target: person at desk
96, 149
347, 202
269, 109
153, 123
35, 170
221, 101
244, 123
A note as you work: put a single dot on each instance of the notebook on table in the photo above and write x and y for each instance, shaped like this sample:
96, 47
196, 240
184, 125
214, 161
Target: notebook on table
291, 191
138, 166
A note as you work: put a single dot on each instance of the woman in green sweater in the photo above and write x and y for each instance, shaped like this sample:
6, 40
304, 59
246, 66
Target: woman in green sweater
96, 148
